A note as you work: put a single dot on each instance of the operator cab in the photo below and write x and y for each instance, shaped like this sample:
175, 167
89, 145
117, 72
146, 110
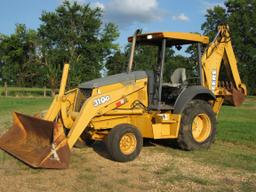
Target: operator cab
166, 84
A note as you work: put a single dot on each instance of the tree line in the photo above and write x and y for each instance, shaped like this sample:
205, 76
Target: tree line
73, 33
76, 34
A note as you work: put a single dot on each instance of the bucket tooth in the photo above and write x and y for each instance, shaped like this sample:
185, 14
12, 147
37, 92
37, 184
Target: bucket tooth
36, 142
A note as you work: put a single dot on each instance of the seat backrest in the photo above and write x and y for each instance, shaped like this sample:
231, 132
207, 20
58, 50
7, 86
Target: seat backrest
178, 76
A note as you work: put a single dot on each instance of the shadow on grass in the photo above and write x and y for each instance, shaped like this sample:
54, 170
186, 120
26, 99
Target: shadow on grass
101, 149
172, 143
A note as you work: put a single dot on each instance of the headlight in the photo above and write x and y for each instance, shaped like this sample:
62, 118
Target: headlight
149, 36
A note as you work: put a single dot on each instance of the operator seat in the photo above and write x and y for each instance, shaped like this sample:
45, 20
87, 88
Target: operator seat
178, 78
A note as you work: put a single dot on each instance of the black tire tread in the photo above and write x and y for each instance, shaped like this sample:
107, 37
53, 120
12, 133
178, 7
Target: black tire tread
185, 139
113, 138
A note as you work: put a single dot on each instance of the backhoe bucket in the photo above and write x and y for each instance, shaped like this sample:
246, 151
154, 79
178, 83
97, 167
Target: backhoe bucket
38, 143
236, 99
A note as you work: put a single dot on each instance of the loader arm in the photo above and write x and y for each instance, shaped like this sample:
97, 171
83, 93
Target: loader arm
221, 51
57, 102
90, 110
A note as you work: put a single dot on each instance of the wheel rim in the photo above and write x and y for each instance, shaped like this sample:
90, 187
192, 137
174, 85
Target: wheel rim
128, 143
201, 127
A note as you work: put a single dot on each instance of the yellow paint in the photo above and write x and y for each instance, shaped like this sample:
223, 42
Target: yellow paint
89, 111
221, 50
166, 127
108, 122
128, 143
217, 104
68, 106
64, 80
56, 104
143, 123
201, 127
189, 37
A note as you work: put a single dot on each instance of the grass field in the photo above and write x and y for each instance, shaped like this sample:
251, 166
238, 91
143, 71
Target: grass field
23, 105
24, 91
229, 165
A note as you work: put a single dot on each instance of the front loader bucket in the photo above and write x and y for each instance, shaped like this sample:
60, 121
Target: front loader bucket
236, 98
38, 143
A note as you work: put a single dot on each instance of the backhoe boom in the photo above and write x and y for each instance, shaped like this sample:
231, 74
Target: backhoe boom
220, 52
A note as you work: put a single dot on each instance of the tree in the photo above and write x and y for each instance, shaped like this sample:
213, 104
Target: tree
19, 61
2, 39
214, 17
145, 58
116, 63
242, 21
74, 33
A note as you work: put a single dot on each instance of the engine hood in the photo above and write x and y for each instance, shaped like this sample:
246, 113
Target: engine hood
124, 78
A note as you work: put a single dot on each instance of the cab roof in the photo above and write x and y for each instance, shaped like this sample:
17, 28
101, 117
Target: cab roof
173, 38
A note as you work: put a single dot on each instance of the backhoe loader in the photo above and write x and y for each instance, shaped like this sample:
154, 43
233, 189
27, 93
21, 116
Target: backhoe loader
123, 109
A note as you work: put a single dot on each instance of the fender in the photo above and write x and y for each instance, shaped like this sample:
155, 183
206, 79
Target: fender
193, 92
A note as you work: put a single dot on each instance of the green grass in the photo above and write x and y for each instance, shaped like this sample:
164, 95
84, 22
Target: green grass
28, 106
187, 178
233, 150
25, 91
24, 105
236, 133
226, 155
247, 186
237, 125
235, 145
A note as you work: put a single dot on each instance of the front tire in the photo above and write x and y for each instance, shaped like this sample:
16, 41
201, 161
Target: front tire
124, 142
198, 126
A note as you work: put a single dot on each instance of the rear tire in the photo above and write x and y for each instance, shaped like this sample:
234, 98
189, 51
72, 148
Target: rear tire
198, 126
124, 143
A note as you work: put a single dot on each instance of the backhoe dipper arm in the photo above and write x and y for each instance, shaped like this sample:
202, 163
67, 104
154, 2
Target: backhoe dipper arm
220, 50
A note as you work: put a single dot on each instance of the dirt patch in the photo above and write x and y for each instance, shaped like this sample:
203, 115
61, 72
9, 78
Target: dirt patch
156, 169
248, 108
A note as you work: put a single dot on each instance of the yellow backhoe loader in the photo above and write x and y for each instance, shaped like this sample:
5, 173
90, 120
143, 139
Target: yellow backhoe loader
125, 108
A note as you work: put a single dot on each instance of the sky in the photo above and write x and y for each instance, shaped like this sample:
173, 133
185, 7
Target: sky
129, 15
